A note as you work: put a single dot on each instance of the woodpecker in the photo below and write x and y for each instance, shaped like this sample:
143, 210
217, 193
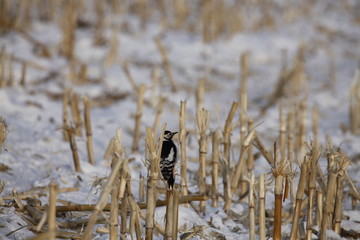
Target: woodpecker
168, 158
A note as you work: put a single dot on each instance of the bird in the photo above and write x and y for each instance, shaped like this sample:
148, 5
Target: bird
168, 158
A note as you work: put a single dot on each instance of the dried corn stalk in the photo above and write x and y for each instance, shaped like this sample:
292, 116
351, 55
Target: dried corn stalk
239, 167
3, 132
314, 157
262, 194
355, 104
252, 205
227, 147
139, 112
216, 138
202, 117
102, 201
52, 211
166, 63
182, 137
89, 141
153, 176
68, 25
114, 206
299, 199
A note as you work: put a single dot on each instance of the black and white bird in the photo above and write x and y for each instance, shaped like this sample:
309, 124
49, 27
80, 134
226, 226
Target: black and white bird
168, 158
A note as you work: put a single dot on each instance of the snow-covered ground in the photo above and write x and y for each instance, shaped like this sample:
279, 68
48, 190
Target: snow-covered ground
34, 150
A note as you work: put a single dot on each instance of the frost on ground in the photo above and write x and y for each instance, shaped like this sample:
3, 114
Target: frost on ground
326, 35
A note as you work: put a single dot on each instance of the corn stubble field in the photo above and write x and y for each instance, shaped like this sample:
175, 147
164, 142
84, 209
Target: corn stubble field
265, 96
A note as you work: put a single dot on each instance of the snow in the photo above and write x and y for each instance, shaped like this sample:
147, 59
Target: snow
36, 153
352, 215
10, 222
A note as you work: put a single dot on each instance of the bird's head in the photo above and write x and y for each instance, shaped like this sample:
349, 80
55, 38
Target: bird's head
168, 135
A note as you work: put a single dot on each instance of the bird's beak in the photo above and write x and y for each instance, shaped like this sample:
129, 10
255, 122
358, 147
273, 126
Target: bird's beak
174, 133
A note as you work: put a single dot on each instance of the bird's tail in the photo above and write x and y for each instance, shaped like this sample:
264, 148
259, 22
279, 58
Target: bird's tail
171, 181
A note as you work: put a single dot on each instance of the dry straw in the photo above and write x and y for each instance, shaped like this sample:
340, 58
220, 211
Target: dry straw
338, 203
281, 172
166, 63
2, 186
299, 200
182, 137
319, 206
329, 203
76, 116
282, 138
262, 220
65, 111
159, 228
213, 19
218, 18
175, 214
3, 132
331, 219
129, 77
11, 82
112, 54
287, 130
99, 9
142, 189
90, 207
227, 146
260, 146
243, 113
278, 207
159, 111
169, 217
155, 81
89, 141
207, 22
227, 131
114, 206
52, 211
3, 68
17, 200
243, 95
200, 92
102, 200
202, 117
181, 10
355, 104
135, 211
41, 49
123, 216
153, 174
250, 158
139, 111
252, 205
301, 132
41, 223
353, 190
315, 124
291, 82
23, 74
314, 158
216, 138
68, 24
73, 146
239, 168
38, 216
